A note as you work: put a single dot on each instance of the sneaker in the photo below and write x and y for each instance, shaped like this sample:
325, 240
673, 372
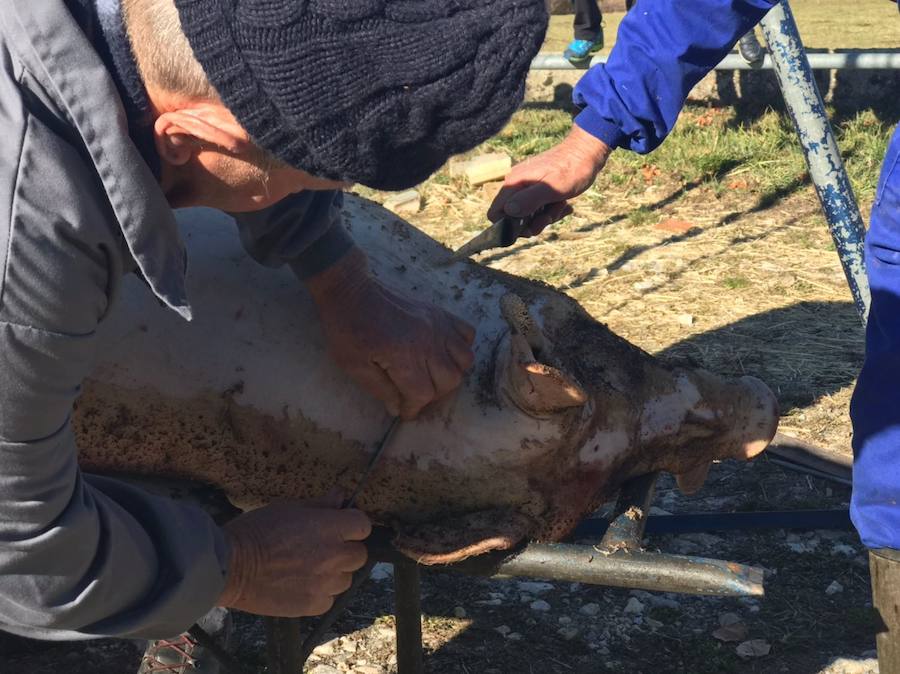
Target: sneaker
580, 51
750, 49
183, 655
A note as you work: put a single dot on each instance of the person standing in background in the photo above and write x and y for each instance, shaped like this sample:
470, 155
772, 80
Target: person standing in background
588, 26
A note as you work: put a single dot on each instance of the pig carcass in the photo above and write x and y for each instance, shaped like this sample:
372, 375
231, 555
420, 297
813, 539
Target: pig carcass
555, 415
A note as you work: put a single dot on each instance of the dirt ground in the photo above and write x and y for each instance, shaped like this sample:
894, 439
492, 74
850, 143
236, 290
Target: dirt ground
731, 269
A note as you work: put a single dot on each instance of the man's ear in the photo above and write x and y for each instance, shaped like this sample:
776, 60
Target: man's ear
180, 134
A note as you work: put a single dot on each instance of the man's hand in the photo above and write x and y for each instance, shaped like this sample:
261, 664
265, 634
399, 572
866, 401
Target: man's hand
403, 352
291, 559
540, 186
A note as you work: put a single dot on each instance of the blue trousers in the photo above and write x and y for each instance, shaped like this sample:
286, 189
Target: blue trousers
875, 409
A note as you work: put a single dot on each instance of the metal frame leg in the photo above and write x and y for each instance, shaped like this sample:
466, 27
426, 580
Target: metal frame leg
283, 645
884, 565
408, 614
826, 168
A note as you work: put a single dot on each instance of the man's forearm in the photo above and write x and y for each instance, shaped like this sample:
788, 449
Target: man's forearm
663, 48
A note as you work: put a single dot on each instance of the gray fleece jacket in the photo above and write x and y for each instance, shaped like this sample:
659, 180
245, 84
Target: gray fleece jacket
81, 555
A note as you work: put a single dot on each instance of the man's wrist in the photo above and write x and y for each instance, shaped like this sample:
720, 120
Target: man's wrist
342, 278
589, 147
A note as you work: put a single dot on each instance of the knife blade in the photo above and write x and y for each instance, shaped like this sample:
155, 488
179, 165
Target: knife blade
379, 451
501, 234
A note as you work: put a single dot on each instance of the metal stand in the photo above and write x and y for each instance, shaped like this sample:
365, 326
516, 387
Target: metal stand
823, 157
283, 645
884, 565
408, 614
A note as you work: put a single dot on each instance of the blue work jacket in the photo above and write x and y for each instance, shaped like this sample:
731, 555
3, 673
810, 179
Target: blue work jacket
663, 49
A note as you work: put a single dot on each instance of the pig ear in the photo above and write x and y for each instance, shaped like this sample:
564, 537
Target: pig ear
542, 388
693, 479
536, 387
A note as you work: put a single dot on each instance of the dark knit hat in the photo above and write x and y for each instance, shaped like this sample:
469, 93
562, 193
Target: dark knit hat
379, 92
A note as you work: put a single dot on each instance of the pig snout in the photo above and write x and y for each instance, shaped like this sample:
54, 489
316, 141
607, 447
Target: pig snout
758, 419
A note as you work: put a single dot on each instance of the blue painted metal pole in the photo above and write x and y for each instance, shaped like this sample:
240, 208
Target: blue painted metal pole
807, 109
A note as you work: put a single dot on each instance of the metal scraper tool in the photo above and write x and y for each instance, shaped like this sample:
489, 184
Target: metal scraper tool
379, 450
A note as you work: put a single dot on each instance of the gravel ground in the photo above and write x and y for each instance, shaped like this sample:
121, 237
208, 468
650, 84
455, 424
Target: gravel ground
816, 616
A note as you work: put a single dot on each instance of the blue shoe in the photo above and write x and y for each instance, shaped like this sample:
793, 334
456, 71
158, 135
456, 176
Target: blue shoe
580, 51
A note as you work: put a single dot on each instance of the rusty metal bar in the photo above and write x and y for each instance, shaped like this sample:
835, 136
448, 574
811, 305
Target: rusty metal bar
586, 564
283, 645
626, 526
408, 615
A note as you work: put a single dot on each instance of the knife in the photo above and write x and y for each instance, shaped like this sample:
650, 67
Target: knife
379, 451
501, 234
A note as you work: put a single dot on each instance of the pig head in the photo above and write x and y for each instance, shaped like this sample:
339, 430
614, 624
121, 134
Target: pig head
556, 414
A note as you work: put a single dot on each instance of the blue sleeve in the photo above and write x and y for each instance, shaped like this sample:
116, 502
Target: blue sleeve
664, 47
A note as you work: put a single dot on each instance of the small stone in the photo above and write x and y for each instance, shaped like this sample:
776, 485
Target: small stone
675, 226
591, 609
385, 633
664, 602
829, 492
540, 605
834, 588
654, 624
348, 646
755, 648
459, 612
641, 286
574, 587
382, 571
634, 606
514, 636
324, 669
325, 649
534, 587
843, 549
503, 629
489, 602
564, 620
687, 320
368, 669
726, 619
567, 633
408, 201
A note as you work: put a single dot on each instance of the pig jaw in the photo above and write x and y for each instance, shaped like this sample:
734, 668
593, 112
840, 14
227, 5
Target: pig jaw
704, 418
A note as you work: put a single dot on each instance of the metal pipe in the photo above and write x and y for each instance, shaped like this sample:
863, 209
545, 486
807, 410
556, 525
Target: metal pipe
626, 526
839, 60
807, 109
586, 564
837, 519
408, 614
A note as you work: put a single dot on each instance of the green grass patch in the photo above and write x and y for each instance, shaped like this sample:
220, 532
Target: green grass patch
735, 282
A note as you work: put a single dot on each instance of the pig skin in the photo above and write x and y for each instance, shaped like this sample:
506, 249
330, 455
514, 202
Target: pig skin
556, 413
